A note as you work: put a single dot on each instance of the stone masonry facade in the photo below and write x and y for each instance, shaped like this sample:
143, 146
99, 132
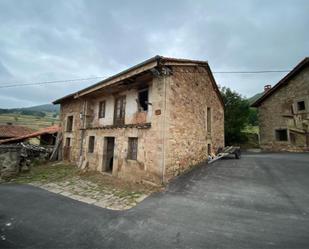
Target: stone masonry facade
284, 116
184, 121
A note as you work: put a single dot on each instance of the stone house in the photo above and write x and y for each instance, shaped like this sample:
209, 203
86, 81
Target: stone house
149, 122
284, 112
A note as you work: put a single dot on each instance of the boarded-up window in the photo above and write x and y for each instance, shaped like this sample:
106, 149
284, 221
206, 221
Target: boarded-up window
70, 123
143, 100
91, 144
281, 135
132, 149
208, 119
120, 106
102, 109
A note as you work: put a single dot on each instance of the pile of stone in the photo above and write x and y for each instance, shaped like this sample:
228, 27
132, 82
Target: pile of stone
15, 158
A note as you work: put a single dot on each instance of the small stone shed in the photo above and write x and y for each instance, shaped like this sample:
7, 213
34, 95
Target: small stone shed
284, 112
149, 122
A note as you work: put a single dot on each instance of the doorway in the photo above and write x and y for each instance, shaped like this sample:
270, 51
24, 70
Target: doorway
108, 154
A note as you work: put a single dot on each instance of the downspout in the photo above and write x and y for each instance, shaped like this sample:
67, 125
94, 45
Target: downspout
83, 117
164, 126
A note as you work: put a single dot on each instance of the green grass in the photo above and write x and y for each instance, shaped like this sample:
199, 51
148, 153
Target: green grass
251, 129
33, 122
47, 173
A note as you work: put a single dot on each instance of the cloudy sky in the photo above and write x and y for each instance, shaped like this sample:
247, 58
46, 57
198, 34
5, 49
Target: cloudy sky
54, 40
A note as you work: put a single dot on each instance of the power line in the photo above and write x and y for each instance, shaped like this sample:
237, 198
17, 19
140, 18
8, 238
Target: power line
47, 82
20, 84
254, 72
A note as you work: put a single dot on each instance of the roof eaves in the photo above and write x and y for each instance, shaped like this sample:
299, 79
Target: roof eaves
282, 82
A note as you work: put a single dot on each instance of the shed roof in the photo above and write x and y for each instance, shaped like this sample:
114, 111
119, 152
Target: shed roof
14, 131
284, 81
48, 130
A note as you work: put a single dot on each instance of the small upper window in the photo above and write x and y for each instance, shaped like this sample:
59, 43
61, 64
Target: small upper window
282, 135
70, 123
102, 109
91, 144
143, 100
68, 142
132, 148
301, 106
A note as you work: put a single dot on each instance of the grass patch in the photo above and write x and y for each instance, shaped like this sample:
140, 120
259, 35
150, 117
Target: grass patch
47, 173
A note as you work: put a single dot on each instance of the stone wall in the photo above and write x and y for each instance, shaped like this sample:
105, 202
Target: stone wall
189, 93
9, 161
178, 134
276, 113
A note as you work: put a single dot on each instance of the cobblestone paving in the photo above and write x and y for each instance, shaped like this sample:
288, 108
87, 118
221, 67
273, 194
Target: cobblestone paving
91, 193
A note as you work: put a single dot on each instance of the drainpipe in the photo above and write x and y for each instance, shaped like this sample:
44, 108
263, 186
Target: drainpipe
164, 124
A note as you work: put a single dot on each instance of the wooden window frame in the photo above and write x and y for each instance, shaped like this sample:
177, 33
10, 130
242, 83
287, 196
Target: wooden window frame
132, 148
69, 128
102, 108
120, 120
91, 144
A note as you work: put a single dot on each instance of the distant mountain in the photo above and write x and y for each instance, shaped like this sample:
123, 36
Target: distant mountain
254, 98
42, 108
33, 110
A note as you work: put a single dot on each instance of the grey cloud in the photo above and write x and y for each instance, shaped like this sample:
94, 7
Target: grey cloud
51, 40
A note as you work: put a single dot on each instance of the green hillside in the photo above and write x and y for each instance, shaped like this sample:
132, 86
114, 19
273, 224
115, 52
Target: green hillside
254, 98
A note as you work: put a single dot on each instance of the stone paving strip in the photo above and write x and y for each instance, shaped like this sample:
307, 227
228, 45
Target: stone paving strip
89, 192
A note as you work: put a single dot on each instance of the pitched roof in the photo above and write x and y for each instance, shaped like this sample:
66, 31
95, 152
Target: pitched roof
139, 68
284, 81
14, 131
48, 130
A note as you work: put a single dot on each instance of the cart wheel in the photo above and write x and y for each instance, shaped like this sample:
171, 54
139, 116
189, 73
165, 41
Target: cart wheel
237, 154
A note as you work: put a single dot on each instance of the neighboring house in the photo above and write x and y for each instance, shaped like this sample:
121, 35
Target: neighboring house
47, 136
149, 122
284, 112
12, 131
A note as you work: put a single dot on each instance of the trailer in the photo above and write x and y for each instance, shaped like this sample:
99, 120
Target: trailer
225, 152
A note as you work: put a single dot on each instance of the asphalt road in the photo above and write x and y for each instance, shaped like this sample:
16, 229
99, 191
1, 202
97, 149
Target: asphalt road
259, 201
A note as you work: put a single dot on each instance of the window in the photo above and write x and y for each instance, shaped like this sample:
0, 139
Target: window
102, 109
69, 123
301, 106
282, 135
143, 100
91, 144
68, 142
132, 148
120, 106
208, 120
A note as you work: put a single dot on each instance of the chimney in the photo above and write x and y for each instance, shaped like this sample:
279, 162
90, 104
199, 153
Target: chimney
267, 88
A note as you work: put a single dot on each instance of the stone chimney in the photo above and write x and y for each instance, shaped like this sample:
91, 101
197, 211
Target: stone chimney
267, 88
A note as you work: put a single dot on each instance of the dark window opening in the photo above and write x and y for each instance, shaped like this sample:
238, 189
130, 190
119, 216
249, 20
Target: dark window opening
143, 100
208, 119
301, 106
209, 149
132, 148
282, 135
68, 142
91, 144
70, 123
102, 109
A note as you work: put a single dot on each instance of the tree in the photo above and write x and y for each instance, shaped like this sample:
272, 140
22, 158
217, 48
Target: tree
236, 115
